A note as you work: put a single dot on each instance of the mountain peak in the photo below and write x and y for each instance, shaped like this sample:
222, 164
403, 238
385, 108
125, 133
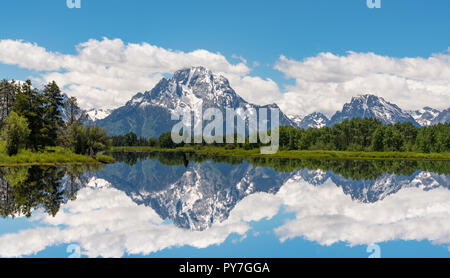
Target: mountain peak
372, 106
187, 73
369, 99
425, 116
197, 76
314, 120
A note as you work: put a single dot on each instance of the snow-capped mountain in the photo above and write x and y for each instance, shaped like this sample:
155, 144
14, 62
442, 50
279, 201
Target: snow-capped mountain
296, 119
314, 120
443, 117
98, 114
425, 116
149, 113
371, 106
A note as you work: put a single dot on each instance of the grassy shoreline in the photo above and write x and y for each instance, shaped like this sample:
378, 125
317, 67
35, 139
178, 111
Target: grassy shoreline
51, 157
295, 154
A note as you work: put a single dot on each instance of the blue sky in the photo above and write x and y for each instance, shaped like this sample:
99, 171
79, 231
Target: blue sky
258, 31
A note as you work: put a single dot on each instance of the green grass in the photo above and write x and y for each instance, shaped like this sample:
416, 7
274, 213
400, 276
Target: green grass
238, 152
105, 159
50, 156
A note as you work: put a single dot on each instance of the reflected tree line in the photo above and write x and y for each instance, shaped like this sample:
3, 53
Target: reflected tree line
25, 189
354, 169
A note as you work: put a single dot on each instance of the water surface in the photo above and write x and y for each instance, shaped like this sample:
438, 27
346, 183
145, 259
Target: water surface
184, 205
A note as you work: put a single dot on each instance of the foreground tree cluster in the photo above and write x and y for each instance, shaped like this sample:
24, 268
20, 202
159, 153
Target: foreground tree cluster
34, 119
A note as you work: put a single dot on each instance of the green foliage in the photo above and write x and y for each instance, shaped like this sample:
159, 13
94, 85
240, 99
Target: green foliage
433, 139
96, 140
15, 132
131, 139
29, 104
393, 140
86, 140
378, 140
52, 118
350, 135
369, 135
8, 92
73, 112
36, 119
289, 137
151, 142
104, 158
28, 188
165, 141
51, 155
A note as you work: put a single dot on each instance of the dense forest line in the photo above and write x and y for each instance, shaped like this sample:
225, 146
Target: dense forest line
34, 119
367, 135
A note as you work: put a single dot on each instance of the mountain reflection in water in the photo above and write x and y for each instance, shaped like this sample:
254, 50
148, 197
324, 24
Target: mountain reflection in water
124, 207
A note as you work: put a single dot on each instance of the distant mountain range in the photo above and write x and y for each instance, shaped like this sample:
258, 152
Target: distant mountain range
371, 106
149, 114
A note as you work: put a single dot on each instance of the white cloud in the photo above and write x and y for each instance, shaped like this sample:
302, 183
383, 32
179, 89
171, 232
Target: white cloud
28, 55
257, 90
105, 222
106, 73
328, 215
327, 81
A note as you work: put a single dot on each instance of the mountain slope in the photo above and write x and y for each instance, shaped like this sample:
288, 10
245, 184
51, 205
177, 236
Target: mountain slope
98, 114
443, 117
425, 116
296, 119
149, 114
314, 120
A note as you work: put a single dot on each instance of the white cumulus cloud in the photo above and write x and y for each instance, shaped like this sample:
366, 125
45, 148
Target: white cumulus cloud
106, 73
326, 81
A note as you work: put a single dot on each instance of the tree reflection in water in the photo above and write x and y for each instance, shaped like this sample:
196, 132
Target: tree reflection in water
26, 188
353, 169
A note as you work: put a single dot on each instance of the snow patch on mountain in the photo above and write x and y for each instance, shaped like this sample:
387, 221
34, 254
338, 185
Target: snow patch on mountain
425, 116
296, 119
314, 120
98, 114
